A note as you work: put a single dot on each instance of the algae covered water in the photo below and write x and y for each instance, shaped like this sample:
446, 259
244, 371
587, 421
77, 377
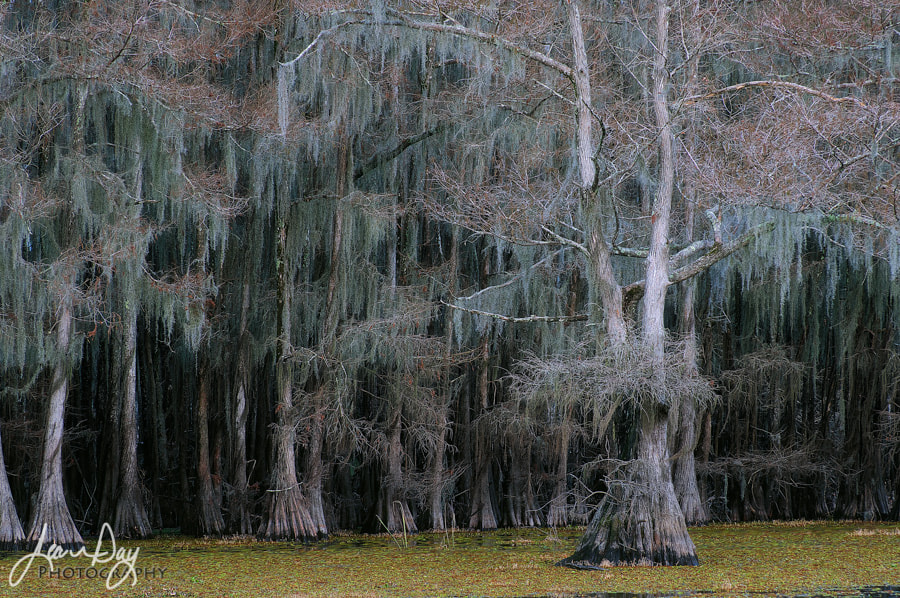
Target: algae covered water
803, 559
867, 592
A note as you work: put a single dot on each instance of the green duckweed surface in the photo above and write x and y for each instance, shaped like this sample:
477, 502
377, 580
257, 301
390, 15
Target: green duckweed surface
758, 559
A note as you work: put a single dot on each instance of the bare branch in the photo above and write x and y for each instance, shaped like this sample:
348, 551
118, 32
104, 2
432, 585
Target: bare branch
692, 249
518, 320
321, 35
629, 252
513, 279
777, 84
381, 159
568, 242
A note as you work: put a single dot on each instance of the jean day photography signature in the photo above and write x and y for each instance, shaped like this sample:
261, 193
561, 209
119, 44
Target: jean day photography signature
119, 563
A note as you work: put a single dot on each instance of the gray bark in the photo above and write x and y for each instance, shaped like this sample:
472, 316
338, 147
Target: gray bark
131, 519
640, 521
51, 520
238, 496
482, 514
12, 536
393, 507
558, 513
608, 289
209, 508
287, 517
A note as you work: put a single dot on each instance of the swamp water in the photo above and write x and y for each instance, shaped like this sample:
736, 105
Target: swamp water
761, 560
870, 592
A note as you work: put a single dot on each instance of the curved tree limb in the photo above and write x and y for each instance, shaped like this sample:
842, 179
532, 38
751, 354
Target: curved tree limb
404, 20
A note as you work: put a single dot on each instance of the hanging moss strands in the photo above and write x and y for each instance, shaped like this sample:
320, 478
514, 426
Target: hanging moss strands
286, 272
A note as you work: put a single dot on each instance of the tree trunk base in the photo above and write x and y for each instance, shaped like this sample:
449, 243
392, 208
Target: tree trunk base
12, 536
558, 513
210, 520
52, 524
131, 519
288, 518
314, 506
616, 537
639, 522
685, 480
395, 516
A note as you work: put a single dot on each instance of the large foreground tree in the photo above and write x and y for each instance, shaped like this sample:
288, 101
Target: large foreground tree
655, 129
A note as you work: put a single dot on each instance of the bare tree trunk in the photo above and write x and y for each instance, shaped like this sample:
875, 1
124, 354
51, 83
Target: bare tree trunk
12, 536
130, 516
209, 509
51, 521
482, 510
437, 483
671, 543
640, 521
392, 506
482, 513
436, 473
684, 472
287, 517
238, 499
520, 504
314, 474
609, 290
558, 513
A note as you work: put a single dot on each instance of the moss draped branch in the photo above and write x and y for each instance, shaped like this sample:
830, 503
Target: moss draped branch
401, 19
634, 291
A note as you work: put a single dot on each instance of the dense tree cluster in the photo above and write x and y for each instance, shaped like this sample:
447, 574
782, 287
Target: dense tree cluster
288, 268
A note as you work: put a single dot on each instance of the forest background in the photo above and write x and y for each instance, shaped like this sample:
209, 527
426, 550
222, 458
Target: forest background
291, 268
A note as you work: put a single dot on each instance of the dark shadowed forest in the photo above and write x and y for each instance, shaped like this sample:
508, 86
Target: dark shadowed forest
287, 268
